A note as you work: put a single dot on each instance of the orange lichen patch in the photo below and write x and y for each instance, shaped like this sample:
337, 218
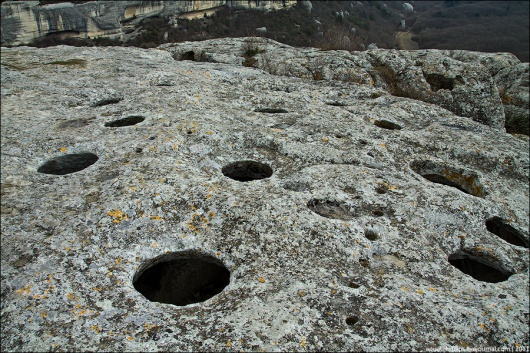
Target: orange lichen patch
24, 291
433, 289
157, 218
261, 279
276, 130
228, 344
95, 328
405, 288
63, 149
325, 139
118, 216
419, 291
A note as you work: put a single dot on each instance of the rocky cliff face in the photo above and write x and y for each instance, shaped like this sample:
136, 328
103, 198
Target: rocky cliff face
151, 203
23, 21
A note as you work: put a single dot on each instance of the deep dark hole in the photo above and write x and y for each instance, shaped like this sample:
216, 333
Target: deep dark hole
247, 171
370, 234
329, 209
378, 213
352, 320
364, 262
189, 55
337, 104
385, 124
477, 269
505, 231
107, 101
439, 179
271, 110
183, 281
67, 164
353, 285
381, 190
438, 82
128, 121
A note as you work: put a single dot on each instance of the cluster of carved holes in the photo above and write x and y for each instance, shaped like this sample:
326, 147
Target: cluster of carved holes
247, 171
67, 164
271, 110
478, 268
506, 232
181, 278
329, 209
128, 121
385, 124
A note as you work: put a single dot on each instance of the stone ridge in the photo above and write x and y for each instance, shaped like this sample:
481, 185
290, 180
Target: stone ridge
153, 204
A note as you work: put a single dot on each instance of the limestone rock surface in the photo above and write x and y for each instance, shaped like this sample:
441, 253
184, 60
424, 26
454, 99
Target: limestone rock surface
460, 81
345, 218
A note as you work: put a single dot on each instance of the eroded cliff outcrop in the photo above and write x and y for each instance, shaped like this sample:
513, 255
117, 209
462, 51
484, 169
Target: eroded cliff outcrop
23, 21
154, 204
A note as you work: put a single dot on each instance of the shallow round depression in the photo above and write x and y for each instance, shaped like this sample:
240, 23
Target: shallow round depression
181, 278
67, 164
128, 121
247, 171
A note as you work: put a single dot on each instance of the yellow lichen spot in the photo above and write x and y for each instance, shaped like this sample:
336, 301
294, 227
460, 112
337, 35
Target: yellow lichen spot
372, 82
508, 308
333, 291
358, 241
154, 245
118, 216
261, 279
228, 344
209, 132
68, 248
405, 288
504, 339
63, 149
156, 218
382, 145
129, 338
302, 294
118, 260
483, 326
479, 248
518, 345
276, 130
161, 180
420, 291
433, 289
44, 314
325, 139
409, 328
412, 203
70, 296
97, 289
24, 291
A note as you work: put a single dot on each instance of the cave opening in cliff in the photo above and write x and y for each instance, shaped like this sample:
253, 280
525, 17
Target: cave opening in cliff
505, 231
68, 164
128, 121
479, 269
181, 278
329, 209
247, 171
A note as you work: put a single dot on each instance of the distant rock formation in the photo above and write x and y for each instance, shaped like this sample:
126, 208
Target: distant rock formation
23, 21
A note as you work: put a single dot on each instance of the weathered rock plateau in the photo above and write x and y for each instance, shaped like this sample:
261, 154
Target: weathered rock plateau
151, 203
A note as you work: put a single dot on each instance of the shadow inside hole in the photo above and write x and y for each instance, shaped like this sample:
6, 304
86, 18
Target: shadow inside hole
440, 179
385, 124
337, 104
329, 209
128, 121
378, 213
371, 234
364, 262
247, 171
68, 164
506, 232
271, 110
352, 320
478, 269
192, 278
107, 102
354, 285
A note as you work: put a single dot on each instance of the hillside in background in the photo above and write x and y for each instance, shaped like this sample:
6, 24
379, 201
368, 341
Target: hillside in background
488, 26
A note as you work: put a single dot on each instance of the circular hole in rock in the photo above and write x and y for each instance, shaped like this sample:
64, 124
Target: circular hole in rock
329, 209
247, 171
128, 121
353, 285
385, 124
67, 164
505, 231
371, 234
352, 320
378, 213
181, 278
364, 262
381, 190
479, 269
271, 110
441, 173
108, 101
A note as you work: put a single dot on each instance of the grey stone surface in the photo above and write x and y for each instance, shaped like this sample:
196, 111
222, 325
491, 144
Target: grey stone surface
346, 247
